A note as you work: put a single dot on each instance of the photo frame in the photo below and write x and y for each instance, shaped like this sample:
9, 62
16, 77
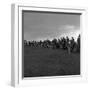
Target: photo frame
17, 78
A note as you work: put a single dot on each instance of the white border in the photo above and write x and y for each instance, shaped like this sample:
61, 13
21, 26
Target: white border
16, 68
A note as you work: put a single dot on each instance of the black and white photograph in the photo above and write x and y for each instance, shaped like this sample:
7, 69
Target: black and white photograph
51, 43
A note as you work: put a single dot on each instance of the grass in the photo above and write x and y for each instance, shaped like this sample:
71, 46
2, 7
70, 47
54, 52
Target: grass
50, 62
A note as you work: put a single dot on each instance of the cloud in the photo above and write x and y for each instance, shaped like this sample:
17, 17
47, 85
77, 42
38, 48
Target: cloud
70, 27
52, 32
69, 30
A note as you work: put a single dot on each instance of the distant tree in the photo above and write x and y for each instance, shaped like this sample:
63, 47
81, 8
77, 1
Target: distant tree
78, 43
25, 42
72, 44
64, 43
29, 43
54, 43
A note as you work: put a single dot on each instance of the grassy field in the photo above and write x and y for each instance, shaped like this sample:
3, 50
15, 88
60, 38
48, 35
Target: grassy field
50, 62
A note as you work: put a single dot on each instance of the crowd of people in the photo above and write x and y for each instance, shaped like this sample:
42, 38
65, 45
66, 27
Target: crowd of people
63, 43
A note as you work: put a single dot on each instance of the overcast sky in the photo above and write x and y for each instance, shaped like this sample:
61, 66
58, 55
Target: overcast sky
41, 26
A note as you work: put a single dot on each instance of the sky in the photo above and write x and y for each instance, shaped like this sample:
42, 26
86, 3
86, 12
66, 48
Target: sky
41, 26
